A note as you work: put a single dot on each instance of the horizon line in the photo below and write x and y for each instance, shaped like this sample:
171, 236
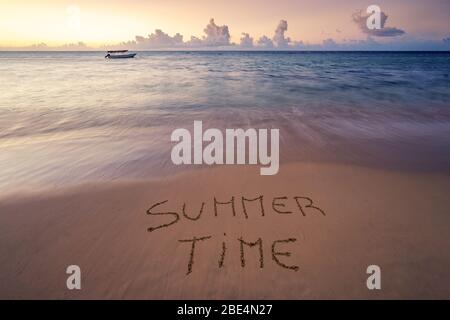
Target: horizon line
229, 50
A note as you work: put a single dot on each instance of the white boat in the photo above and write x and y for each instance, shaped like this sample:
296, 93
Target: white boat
119, 54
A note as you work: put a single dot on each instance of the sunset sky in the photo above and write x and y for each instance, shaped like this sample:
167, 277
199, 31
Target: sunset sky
106, 22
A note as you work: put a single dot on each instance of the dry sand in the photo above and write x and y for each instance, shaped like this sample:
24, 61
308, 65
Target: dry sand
399, 221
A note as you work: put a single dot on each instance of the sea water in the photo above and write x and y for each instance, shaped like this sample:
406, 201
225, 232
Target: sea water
73, 117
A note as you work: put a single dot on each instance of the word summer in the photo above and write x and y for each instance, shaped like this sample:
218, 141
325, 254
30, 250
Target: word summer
280, 205
235, 147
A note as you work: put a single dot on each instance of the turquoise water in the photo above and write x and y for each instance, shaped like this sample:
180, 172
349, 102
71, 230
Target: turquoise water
72, 117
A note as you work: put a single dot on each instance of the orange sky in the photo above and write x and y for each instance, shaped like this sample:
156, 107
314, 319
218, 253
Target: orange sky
102, 22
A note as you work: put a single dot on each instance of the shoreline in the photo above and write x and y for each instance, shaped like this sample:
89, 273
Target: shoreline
92, 154
396, 220
184, 171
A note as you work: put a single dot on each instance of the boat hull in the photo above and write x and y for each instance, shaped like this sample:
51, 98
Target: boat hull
121, 56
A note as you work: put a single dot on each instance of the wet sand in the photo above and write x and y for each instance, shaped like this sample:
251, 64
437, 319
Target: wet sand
397, 220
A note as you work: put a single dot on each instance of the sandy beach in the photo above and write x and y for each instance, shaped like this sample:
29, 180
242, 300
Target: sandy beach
358, 217
224, 150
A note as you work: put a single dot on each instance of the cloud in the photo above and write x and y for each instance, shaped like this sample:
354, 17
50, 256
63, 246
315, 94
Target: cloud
265, 42
195, 42
370, 44
158, 39
246, 41
42, 46
279, 39
216, 36
360, 19
79, 46
38, 46
330, 43
219, 37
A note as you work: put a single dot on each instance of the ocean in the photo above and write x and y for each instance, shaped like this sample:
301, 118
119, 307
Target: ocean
68, 118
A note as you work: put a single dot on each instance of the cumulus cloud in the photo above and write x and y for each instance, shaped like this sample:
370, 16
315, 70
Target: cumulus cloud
246, 41
218, 36
195, 42
279, 38
79, 46
158, 39
215, 35
38, 46
330, 43
360, 18
42, 46
371, 44
265, 42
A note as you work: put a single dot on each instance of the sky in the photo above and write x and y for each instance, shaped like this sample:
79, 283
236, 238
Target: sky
242, 23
